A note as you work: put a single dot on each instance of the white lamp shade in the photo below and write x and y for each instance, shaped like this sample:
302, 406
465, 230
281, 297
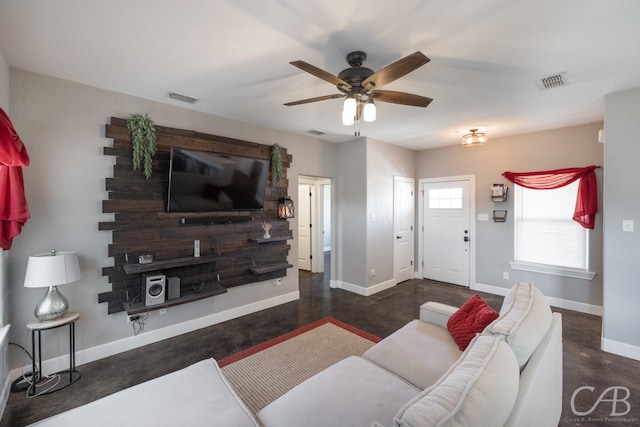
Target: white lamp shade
369, 112
44, 270
349, 106
347, 118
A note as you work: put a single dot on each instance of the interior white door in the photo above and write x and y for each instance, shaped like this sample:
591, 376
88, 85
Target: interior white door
403, 228
446, 231
304, 227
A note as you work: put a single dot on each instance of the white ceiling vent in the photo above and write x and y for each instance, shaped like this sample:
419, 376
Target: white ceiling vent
317, 132
551, 82
182, 97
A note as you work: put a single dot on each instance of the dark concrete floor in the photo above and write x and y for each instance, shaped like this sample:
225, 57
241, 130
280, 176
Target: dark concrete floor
379, 314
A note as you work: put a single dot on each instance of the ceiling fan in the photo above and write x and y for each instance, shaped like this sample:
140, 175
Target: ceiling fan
361, 85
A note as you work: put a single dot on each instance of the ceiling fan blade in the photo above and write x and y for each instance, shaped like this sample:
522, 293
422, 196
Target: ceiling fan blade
316, 99
324, 75
396, 70
401, 98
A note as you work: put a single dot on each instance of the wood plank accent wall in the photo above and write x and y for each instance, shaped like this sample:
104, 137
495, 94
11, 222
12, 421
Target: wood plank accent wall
143, 226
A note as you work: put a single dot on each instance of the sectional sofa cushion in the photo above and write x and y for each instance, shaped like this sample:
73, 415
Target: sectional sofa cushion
470, 320
524, 319
419, 352
197, 395
479, 390
353, 392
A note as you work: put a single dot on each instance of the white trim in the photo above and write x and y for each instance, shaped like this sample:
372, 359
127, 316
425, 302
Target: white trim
555, 302
620, 348
556, 270
109, 349
360, 290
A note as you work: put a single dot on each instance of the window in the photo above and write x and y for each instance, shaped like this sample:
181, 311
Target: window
445, 198
547, 239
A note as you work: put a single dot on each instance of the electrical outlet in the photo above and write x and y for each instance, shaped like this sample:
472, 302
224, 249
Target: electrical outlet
162, 311
505, 275
132, 317
372, 273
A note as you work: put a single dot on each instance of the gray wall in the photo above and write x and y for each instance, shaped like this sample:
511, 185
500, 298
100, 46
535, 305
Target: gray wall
553, 149
621, 253
62, 124
384, 161
351, 226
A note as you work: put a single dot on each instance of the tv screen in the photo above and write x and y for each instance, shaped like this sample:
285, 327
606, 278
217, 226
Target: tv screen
203, 181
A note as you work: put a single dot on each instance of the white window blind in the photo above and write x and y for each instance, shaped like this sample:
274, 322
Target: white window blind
545, 232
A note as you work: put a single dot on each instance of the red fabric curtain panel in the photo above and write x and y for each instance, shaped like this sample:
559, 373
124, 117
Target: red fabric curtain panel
587, 200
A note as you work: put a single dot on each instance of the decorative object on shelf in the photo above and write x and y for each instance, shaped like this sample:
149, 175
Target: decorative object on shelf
145, 259
266, 227
285, 208
276, 164
499, 216
143, 140
499, 193
50, 270
473, 137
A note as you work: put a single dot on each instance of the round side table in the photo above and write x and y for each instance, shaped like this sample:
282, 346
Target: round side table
67, 377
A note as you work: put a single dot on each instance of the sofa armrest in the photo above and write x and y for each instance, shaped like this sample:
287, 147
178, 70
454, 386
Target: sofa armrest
436, 313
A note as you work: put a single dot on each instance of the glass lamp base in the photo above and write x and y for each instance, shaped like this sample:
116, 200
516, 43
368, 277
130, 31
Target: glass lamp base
52, 306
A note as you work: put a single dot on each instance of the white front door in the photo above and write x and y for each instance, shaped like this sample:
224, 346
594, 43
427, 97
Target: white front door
403, 221
447, 234
304, 226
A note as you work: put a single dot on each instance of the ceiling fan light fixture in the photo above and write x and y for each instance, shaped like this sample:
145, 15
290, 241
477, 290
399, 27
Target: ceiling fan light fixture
474, 138
369, 113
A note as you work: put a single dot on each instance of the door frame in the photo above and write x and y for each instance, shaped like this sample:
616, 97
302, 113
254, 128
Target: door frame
317, 219
472, 222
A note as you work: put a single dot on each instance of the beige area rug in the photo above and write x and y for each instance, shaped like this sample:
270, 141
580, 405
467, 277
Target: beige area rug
265, 372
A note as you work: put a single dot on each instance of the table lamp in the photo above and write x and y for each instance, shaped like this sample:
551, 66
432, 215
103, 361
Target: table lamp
50, 270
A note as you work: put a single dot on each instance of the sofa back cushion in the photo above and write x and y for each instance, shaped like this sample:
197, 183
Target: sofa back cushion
478, 390
524, 319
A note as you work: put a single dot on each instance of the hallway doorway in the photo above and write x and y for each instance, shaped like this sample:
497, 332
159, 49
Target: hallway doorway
314, 223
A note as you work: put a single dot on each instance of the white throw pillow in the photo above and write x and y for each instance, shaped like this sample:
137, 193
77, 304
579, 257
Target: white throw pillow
479, 390
524, 319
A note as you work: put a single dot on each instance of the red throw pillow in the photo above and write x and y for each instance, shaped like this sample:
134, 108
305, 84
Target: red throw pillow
469, 320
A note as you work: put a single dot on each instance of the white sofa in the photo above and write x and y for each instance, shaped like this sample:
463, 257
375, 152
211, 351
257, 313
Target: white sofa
510, 375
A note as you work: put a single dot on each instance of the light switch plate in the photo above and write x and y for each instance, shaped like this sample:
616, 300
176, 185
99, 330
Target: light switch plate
627, 225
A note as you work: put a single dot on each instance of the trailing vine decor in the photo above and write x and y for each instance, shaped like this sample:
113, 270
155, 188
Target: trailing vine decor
276, 164
143, 140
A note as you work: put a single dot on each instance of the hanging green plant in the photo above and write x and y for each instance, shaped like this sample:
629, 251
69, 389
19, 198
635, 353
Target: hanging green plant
276, 164
143, 140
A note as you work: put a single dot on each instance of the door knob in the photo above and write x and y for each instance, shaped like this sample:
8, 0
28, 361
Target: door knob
398, 237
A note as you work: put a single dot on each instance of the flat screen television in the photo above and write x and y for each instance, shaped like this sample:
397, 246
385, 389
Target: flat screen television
204, 181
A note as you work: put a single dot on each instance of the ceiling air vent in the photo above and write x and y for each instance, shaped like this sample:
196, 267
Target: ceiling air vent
552, 81
182, 97
317, 132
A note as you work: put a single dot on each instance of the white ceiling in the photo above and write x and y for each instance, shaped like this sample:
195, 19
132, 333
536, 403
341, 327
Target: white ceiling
234, 55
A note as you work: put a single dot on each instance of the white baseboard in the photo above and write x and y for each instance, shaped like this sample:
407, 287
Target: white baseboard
555, 302
356, 289
620, 348
6, 376
109, 349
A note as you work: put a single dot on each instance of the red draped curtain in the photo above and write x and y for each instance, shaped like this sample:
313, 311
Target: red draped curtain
587, 200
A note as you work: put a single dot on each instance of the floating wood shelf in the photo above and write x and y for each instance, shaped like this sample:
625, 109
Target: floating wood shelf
270, 239
169, 263
269, 268
210, 290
